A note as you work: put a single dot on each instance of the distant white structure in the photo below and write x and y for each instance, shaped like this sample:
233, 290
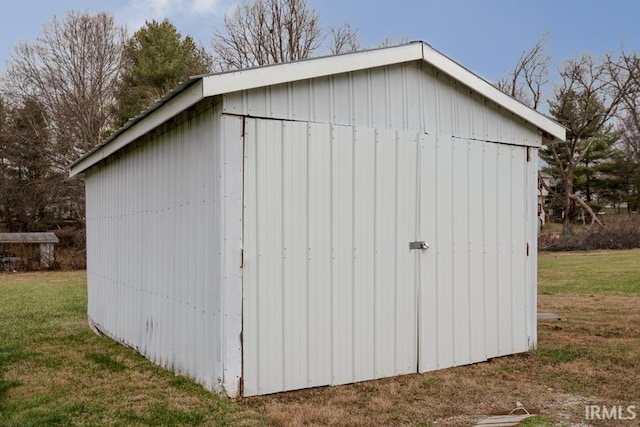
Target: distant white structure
319, 222
545, 181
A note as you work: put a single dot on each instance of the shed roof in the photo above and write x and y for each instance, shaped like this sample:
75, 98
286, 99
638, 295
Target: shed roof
46, 237
199, 87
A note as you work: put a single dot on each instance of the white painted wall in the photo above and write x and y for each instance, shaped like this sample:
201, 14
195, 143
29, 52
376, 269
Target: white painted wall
163, 240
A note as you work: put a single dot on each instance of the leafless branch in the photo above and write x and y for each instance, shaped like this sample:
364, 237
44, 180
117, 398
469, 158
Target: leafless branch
343, 39
71, 69
529, 76
261, 32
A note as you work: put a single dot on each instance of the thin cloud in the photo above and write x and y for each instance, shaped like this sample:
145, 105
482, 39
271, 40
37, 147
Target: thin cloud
209, 7
138, 11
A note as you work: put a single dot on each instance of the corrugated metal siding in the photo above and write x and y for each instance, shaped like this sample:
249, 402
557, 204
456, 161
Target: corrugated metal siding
329, 281
360, 165
410, 96
476, 280
159, 237
332, 294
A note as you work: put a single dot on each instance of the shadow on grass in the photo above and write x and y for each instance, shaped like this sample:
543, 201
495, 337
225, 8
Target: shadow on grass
5, 386
8, 356
161, 415
106, 361
557, 355
59, 415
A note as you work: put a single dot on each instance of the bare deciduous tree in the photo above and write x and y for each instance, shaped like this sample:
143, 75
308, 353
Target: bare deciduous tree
625, 72
66, 79
343, 39
30, 185
585, 101
261, 32
525, 83
71, 69
390, 41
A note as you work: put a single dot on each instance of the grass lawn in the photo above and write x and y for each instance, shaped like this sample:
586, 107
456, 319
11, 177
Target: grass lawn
55, 371
587, 273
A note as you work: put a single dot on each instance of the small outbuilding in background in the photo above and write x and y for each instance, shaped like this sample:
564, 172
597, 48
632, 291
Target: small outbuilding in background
45, 240
319, 222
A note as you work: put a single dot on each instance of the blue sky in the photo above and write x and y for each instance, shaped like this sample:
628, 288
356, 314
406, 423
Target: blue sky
486, 36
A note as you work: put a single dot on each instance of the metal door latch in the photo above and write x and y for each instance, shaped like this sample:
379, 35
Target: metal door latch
419, 245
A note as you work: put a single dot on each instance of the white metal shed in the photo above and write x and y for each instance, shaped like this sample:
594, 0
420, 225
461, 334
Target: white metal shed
260, 230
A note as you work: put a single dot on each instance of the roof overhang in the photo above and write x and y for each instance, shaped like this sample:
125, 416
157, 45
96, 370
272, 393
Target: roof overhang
37, 237
180, 99
486, 89
200, 87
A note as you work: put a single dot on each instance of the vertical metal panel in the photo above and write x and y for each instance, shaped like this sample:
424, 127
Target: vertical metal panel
428, 307
429, 100
361, 90
275, 320
464, 112
302, 101
493, 122
378, 97
444, 106
476, 198
519, 233
460, 252
323, 96
319, 303
413, 108
396, 96
342, 98
385, 251
257, 102
455, 107
342, 253
280, 101
295, 243
503, 231
490, 244
405, 230
364, 252
444, 251
156, 268
263, 270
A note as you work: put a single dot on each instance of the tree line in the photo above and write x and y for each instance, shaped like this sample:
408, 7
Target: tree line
85, 76
597, 99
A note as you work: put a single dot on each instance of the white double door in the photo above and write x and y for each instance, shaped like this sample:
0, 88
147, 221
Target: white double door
332, 291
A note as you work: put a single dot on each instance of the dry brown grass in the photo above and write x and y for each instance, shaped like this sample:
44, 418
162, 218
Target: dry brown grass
592, 356
54, 371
